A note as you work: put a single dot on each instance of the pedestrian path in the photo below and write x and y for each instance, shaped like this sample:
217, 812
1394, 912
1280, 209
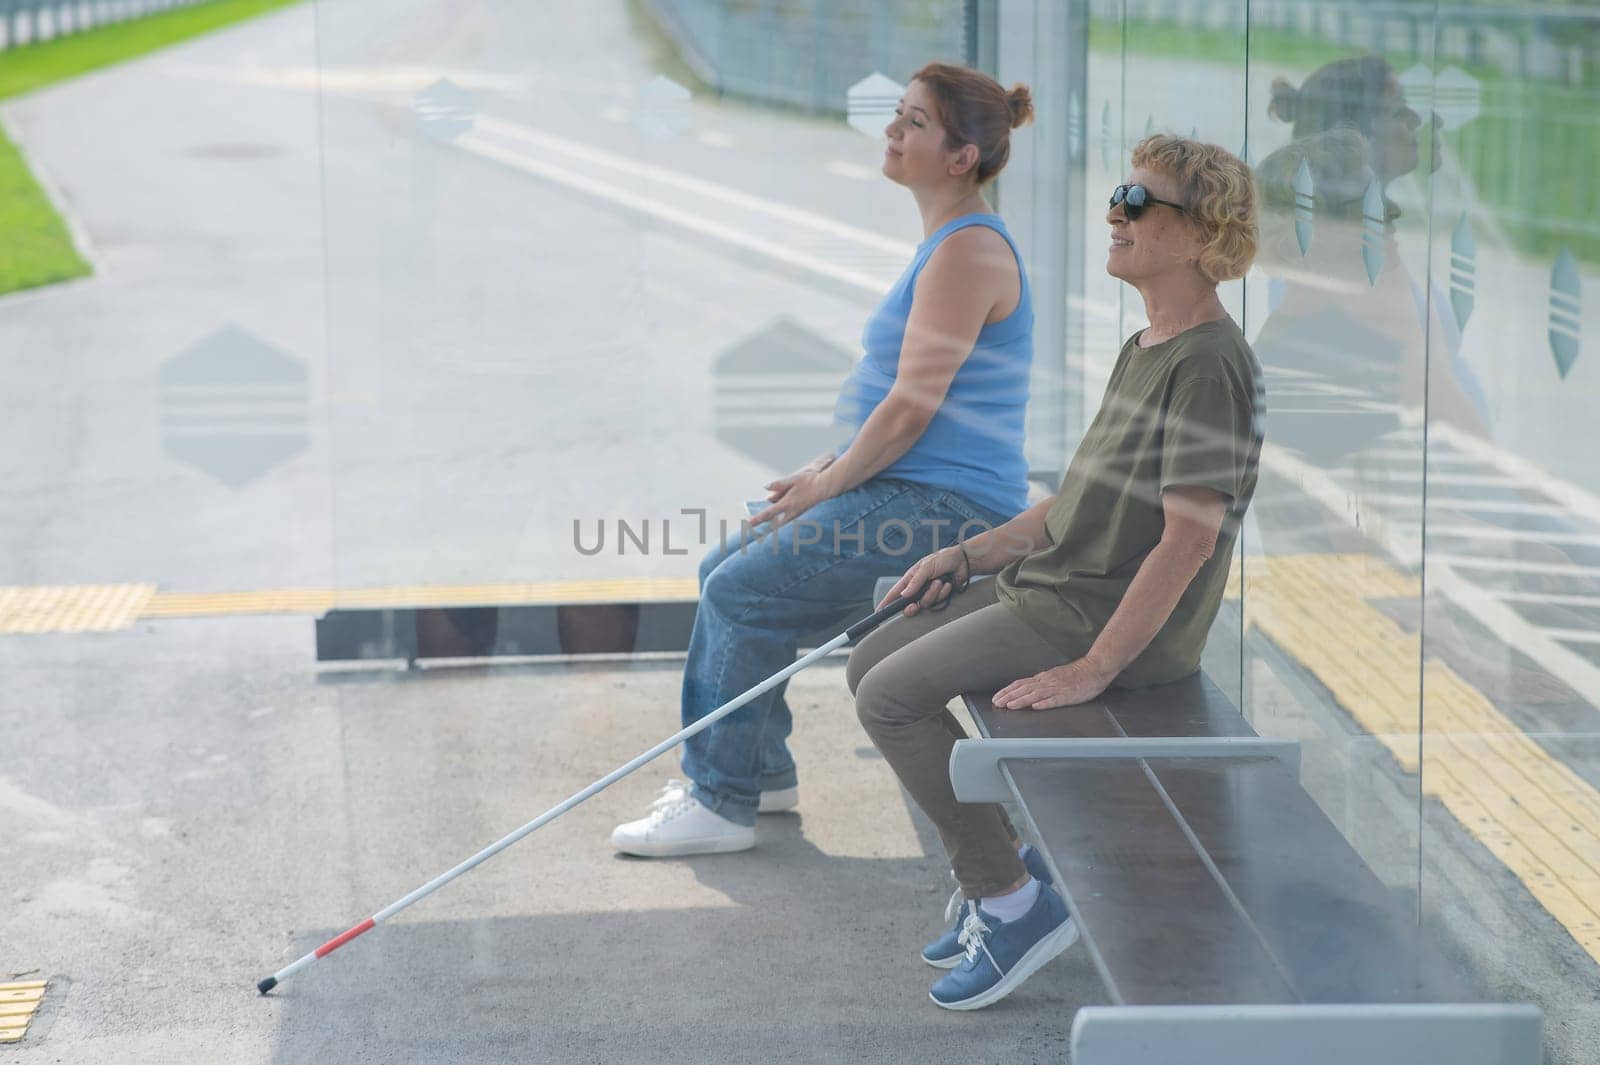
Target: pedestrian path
1537, 816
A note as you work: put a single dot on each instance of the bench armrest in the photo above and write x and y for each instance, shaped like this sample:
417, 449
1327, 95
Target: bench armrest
977, 774
1308, 1035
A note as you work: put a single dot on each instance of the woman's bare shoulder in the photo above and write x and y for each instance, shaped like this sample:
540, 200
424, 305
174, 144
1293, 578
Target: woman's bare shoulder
976, 241
974, 255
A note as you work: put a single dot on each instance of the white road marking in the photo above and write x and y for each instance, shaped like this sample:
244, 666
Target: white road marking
385, 79
1550, 598
828, 382
1515, 565
1575, 499
1559, 661
1398, 454
759, 401
1479, 532
1458, 480
1574, 636
1347, 407
1491, 506
717, 193
852, 170
592, 186
767, 419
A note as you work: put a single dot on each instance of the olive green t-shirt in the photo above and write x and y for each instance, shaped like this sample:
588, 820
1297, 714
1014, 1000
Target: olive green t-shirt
1187, 411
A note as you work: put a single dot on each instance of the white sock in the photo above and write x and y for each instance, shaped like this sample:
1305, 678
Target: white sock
1022, 851
1010, 906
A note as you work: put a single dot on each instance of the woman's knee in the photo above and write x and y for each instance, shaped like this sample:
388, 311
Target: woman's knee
882, 699
869, 710
713, 558
860, 663
737, 582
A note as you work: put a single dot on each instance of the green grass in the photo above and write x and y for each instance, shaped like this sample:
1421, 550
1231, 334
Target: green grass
35, 66
1529, 153
36, 247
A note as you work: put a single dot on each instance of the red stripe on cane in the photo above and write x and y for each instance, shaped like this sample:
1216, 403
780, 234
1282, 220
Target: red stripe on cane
340, 940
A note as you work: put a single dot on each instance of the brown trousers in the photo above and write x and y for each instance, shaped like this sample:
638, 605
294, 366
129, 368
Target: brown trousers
905, 674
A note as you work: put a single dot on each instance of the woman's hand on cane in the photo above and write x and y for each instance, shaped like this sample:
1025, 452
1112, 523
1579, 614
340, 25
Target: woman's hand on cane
944, 573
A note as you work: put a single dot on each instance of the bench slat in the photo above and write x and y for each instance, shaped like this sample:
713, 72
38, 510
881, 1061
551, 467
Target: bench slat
1273, 907
1159, 925
1342, 936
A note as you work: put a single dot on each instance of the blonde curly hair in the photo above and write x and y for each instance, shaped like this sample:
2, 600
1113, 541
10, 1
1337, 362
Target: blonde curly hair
1218, 193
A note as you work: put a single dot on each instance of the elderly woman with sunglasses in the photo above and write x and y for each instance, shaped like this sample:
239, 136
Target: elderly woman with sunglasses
1115, 580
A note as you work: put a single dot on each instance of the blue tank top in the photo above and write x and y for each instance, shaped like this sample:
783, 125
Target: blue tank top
973, 445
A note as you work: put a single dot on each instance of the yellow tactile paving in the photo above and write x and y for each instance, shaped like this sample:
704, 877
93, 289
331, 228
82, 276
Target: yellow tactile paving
321, 600
72, 607
1527, 808
210, 604
18, 1003
109, 607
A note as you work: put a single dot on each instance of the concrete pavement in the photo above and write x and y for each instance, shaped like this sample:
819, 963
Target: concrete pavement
196, 808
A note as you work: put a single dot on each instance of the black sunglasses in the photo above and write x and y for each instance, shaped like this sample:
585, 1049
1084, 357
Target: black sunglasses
1135, 198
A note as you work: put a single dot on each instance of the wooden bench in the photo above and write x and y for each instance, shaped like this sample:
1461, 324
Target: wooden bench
1228, 917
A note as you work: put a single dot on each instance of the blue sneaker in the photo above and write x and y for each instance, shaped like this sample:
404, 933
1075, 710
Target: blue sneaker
1001, 955
946, 952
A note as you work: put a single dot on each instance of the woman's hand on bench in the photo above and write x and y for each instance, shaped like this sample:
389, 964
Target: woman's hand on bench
1068, 685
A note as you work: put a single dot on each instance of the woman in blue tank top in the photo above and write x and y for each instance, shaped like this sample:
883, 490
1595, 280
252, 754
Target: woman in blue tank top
936, 407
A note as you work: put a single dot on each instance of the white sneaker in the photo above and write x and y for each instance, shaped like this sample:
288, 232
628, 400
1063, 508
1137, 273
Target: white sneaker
678, 825
772, 802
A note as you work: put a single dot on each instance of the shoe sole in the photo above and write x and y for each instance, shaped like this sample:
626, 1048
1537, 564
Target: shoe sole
1040, 955
683, 849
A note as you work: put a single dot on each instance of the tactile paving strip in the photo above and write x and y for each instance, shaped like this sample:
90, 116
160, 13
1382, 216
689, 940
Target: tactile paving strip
112, 607
1526, 807
321, 600
18, 1003
72, 607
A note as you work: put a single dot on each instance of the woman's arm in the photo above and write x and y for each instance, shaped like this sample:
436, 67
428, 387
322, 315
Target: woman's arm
949, 569
956, 291
821, 462
994, 549
1193, 517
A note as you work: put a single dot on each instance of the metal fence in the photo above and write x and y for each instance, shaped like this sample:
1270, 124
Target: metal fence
807, 53
29, 21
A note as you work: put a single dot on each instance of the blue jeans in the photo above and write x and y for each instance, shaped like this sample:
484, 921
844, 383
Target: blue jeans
758, 598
